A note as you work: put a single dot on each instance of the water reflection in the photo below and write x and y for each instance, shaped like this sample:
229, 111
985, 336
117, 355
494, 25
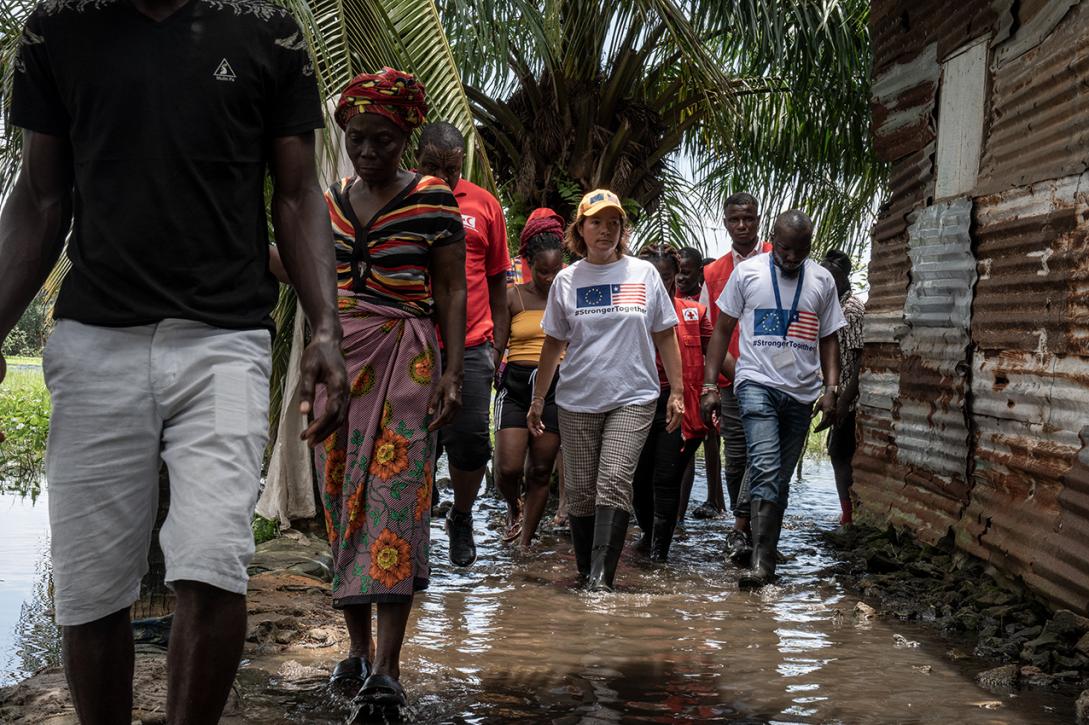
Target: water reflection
28, 637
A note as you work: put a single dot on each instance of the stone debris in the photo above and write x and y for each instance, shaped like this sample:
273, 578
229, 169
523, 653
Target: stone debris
900, 641
1005, 623
864, 611
1081, 709
1005, 677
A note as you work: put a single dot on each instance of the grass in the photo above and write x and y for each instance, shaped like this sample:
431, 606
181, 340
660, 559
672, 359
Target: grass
24, 420
14, 360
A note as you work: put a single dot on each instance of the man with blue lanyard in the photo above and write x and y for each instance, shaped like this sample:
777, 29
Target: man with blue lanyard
785, 354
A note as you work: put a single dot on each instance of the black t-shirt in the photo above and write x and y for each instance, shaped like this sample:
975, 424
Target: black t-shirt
171, 125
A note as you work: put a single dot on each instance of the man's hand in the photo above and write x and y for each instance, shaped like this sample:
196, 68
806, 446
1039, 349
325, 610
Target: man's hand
826, 407
709, 404
445, 401
323, 362
674, 411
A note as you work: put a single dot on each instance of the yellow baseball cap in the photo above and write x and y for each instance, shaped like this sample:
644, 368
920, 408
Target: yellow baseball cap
598, 200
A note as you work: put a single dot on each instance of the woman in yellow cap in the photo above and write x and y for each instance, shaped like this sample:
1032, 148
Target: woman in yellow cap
610, 311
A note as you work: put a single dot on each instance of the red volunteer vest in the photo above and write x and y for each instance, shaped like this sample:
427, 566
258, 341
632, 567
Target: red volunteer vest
688, 337
715, 276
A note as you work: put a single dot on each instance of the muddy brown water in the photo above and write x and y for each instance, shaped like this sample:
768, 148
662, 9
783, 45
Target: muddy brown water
511, 640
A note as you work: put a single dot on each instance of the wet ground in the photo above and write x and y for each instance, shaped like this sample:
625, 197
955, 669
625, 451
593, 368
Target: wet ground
510, 640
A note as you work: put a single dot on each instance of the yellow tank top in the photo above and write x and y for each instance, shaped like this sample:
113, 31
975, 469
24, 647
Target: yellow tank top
526, 337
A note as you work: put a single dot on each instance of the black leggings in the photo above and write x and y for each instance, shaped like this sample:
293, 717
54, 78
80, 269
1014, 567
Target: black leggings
656, 490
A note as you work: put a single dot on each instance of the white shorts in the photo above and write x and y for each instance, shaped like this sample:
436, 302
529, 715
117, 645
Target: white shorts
124, 399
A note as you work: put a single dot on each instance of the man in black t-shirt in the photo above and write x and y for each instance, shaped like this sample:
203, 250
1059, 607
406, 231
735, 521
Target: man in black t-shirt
148, 127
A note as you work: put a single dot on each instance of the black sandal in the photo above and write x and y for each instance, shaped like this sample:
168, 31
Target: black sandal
350, 674
382, 693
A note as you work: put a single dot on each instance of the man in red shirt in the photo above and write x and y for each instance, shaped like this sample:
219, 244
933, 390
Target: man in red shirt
742, 219
466, 440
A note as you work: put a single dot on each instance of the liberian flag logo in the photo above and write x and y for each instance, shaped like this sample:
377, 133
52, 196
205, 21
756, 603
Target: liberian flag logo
607, 295
804, 326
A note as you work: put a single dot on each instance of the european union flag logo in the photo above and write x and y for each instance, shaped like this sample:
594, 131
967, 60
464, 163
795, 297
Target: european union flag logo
770, 322
600, 295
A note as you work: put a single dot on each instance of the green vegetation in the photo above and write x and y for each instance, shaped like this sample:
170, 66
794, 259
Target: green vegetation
264, 529
30, 333
24, 420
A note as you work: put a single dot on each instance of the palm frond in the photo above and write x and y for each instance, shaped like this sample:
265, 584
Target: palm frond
677, 220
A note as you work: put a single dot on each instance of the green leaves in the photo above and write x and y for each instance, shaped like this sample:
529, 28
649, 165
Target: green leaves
24, 418
676, 104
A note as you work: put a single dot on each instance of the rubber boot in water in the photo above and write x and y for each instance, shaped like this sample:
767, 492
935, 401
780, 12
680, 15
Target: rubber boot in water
767, 523
582, 540
663, 537
610, 527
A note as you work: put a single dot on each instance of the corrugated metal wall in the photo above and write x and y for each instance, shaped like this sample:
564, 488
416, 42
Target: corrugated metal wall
974, 409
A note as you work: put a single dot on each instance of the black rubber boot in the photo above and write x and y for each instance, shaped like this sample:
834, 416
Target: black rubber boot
663, 537
610, 527
582, 540
459, 527
767, 523
739, 549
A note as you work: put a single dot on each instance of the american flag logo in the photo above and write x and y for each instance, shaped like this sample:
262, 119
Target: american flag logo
606, 295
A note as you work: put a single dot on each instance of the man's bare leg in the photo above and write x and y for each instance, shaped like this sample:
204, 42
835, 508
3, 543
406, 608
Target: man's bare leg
205, 648
98, 661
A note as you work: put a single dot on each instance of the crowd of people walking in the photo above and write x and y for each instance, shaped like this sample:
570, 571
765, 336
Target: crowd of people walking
610, 369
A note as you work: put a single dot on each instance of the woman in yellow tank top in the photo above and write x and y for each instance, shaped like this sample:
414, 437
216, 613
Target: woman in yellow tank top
517, 452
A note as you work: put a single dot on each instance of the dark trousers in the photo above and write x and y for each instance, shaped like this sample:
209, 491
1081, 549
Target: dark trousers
841, 449
656, 489
735, 460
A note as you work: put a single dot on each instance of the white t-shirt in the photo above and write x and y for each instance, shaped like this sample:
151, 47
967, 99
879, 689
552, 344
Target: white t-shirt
791, 362
606, 313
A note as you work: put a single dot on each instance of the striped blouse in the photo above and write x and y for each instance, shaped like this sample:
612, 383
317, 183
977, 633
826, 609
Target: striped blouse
387, 261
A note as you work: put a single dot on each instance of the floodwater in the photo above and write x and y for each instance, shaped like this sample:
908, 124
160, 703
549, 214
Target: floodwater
28, 638
511, 640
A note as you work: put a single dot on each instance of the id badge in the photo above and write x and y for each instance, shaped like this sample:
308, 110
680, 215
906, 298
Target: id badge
783, 356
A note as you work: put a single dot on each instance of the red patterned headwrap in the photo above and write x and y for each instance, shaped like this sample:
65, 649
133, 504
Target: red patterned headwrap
397, 96
540, 221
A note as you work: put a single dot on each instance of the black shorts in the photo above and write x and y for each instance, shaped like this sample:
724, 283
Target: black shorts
515, 395
467, 438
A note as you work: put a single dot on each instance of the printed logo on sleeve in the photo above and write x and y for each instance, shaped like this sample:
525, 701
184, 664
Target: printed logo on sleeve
224, 72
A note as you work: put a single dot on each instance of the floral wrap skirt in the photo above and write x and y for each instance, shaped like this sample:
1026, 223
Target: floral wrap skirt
376, 470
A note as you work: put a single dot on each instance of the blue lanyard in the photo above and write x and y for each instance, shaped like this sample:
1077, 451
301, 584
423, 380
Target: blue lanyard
779, 300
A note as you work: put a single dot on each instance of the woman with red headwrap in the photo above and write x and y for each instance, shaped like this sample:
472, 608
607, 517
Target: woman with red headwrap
400, 251
516, 453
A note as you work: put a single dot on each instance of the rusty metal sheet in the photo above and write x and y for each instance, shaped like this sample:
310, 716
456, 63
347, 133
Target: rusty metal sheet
1038, 18
903, 105
1029, 510
909, 188
1033, 291
899, 28
975, 372
1039, 103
